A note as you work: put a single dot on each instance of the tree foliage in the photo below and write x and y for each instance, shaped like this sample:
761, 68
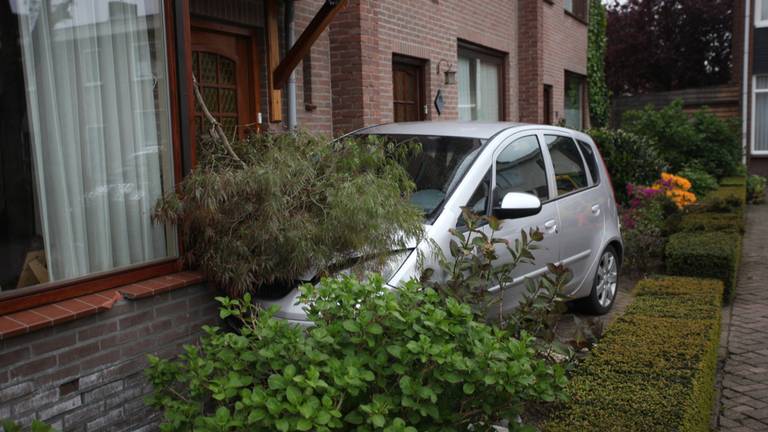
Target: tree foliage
660, 45
287, 204
599, 96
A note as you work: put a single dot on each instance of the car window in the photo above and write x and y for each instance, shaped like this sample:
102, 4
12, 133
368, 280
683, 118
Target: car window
570, 173
520, 168
589, 155
478, 202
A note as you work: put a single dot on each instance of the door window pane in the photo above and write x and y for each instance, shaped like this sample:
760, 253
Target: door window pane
763, 6
479, 81
520, 168
589, 155
91, 143
570, 173
761, 114
574, 102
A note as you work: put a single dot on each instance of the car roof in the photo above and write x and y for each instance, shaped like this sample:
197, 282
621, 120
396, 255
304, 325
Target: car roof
466, 129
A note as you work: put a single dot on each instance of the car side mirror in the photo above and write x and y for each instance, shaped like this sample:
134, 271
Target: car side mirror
517, 205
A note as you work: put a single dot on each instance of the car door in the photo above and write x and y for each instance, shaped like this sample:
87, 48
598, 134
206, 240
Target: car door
580, 205
520, 166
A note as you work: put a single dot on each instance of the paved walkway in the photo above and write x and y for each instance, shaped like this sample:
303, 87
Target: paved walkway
744, 395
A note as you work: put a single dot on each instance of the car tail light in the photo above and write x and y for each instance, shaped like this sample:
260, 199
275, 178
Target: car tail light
608, 174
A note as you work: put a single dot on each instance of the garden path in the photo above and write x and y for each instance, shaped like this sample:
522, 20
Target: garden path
744, 380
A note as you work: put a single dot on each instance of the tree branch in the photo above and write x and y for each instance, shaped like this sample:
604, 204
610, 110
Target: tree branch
216, 130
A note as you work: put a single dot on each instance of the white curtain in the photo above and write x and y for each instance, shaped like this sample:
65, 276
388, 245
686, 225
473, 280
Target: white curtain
761, 113
488, 108
466, 89
96, 130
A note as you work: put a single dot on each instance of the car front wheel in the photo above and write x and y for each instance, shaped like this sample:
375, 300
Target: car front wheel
605, 285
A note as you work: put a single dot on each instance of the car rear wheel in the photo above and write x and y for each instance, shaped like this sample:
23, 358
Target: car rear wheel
605, 285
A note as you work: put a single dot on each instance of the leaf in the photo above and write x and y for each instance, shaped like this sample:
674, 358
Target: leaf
303, 425
468, 388
293, 395
375, 329
350, 326
378, 420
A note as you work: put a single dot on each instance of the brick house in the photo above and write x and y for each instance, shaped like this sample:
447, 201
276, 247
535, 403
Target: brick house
751, 72
97, 120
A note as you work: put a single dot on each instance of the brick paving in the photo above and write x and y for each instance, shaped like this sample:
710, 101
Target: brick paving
743, 404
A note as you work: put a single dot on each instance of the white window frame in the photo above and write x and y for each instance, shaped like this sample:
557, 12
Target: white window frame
759, 4
755, 92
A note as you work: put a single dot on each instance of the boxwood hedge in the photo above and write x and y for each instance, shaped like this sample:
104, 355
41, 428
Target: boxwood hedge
708, 221
655, 367
705, 254
734, 181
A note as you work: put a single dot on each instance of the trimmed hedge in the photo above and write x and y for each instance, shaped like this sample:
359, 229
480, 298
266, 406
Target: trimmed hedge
655, 368
725, 222
734, 196
734, 181
705, 254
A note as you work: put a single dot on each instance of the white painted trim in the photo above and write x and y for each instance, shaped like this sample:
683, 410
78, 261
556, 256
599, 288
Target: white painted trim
755, 92
759, 12
745, 72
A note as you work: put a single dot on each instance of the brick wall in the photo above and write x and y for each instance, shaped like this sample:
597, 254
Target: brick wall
366, 35
88, 375
564, 49
531, 51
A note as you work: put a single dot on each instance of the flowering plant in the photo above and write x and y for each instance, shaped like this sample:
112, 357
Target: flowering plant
676, 188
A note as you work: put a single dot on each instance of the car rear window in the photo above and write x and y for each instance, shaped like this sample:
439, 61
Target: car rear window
589, 155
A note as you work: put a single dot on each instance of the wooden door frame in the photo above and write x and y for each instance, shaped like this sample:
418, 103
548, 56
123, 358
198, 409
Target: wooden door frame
420, 65
209, 24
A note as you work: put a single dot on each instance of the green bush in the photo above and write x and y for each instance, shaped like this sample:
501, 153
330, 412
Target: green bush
655, 368
726, 199
705, 254
734, 181
707, 221
36, 426
630, 159
410, 360
286, 204
702, 139
756, 189
701, 181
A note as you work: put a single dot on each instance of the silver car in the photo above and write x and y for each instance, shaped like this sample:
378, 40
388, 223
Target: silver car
530, 176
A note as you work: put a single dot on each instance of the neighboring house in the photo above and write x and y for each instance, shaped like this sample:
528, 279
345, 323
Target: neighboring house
752, 64
98, 120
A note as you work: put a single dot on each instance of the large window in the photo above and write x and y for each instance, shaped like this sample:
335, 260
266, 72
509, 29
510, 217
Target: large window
760, 116
85, 146
761, 13
480, 86
577, 8
574, 101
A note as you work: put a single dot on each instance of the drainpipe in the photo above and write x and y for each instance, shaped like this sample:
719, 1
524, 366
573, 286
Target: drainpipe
290, 38
745, 81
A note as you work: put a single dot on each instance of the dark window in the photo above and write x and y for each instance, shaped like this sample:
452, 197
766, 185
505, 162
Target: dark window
577, 8
547, 104
520, 168
570, 172
589, 155
574, 101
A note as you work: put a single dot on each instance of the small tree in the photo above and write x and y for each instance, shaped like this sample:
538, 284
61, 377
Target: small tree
599, 96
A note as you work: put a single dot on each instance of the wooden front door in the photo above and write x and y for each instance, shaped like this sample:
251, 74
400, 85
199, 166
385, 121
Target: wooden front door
225, 63
408, 90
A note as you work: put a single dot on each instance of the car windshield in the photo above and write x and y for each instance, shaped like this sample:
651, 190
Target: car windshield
438, 168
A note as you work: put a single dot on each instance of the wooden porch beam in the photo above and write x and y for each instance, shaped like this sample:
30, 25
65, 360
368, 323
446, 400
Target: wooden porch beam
304, 43
274, 92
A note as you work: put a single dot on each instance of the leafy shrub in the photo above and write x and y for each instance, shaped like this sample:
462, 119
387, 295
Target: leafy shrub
630, 159
655, 368
705, 254
643, 223
472, 268
708, 221
288, 203
756, 189
702, 139
410, 360
701, 181
36, 426
734, 181
726, 199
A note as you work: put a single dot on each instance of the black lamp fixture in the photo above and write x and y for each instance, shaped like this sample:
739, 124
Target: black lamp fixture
450, 74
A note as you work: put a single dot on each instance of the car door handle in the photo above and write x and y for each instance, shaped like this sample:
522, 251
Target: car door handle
550, 225
596, 209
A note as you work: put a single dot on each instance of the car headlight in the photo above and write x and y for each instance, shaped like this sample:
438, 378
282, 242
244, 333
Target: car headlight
387, 269
393, 264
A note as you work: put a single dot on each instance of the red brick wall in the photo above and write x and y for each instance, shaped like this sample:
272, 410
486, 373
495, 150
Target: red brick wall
531, 49
368, 33
88, 374
565, 48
